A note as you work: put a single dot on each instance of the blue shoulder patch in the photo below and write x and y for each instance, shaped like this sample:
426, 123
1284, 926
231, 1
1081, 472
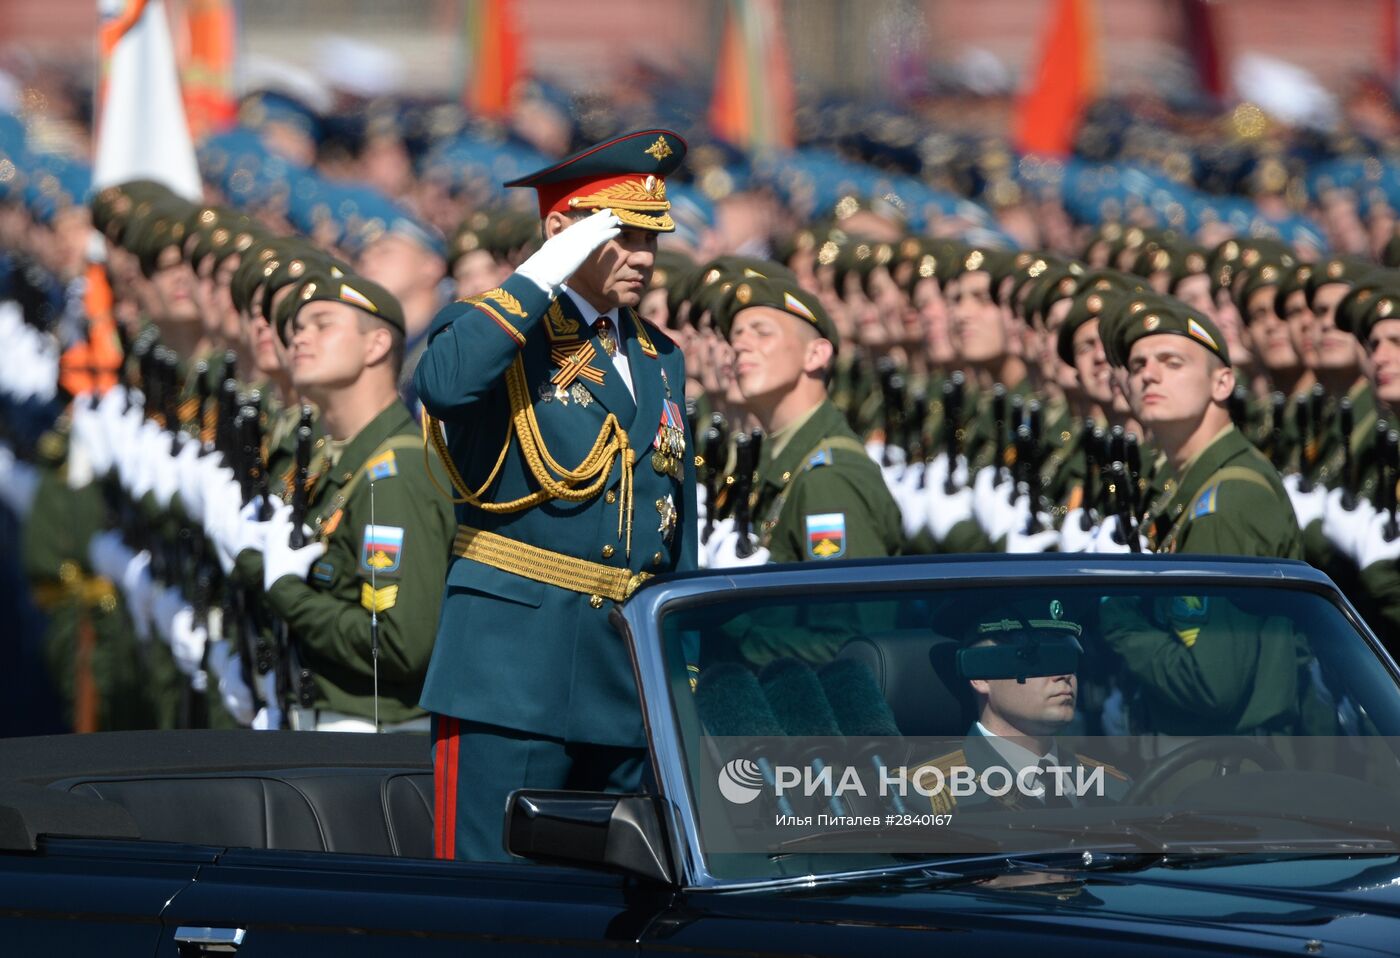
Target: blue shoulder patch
1205, 504
822, 457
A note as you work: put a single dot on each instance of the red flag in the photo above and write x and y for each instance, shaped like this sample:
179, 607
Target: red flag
493, 45
1065, 81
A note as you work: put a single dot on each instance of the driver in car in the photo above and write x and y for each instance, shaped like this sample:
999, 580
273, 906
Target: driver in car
1022, 672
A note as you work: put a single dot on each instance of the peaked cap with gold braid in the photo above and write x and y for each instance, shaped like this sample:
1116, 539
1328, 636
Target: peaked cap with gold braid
626, 175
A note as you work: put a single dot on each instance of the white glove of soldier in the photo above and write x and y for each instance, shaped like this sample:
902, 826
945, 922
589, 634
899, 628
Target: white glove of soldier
184, 473
152, 454
269, 717
90, 435
1109, 539
136, 588
187, 641
165, 478
726, 553
1307, 506
1019, 542
108, 555
19, 483
166, 604
994, 507
564, 252
279, 558
721, 529
1346, 528
237, 697
1073, 537
945, 509
913, 503
1374, 547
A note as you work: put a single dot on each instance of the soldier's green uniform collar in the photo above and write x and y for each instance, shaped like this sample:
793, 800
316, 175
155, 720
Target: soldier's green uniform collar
824, 421
778, 438
359, 448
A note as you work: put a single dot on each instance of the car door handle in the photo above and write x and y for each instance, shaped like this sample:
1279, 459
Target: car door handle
209, 941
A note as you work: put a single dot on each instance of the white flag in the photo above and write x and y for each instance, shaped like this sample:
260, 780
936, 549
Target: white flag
144, 133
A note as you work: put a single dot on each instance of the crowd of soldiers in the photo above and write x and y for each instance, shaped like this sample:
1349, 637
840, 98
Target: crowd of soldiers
207, 534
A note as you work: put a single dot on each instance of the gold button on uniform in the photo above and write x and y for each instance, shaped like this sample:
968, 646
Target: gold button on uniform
787, 476
657, 559
608, 552
596, 601
610, 497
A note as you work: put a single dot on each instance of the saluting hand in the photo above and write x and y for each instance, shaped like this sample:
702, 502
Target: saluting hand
564, 252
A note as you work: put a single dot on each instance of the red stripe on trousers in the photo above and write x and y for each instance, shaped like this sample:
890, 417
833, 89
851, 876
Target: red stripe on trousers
440, 786
450, 811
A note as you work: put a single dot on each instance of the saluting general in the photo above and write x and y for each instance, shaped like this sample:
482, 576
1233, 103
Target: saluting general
559, 413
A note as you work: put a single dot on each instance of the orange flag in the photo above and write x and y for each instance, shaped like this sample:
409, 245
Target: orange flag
753, 101
1065, 80
212, 29
493, 48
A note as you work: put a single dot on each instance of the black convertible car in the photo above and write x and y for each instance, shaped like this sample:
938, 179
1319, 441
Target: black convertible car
1230, 827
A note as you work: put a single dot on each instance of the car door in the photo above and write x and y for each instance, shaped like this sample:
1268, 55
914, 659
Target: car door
91, 897
256, 903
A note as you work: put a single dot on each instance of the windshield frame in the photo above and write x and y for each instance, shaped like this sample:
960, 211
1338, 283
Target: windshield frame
644, 612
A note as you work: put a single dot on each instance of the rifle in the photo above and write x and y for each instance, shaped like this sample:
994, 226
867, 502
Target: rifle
1016, 415
713, 446
918, 449
1346, 422
1310, 413
953, 391
743, 486
1093, 438
294, 682
1391, 462
998, 423
1133, 460
899, 422
1277, 404
1030, 475
1239, 407
889, 413
1122, 504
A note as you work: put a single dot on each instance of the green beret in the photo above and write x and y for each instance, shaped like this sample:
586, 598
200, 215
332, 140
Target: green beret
1352, 308
113, 206
780, 294
1385, 304
982, 259
1265, 274
1056, 283
1292, 281
670, 268
249, 276
334, 286
296, 260
861, 257
1091, 304
711, 281
1119, 311
160, 228
1338, 269
1166, 317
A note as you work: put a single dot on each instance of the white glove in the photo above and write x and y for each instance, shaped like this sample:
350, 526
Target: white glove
1109, 539
136, 588
1018, 542
19, 483
185, 473
1346, 528
108, 555
1374, 547
187, 641
279, 558
564, 252
894, 477
1307, 506
269, 717
90, 435
994, 507
721, 529
881, 452
151, 454
944, 509
166, 604
1074, 538
726, 553
236, 696
165, 476
913, 503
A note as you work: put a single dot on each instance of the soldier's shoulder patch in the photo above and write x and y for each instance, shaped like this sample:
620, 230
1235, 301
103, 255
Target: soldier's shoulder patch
826, 535
323, 572
822, 457
382, 552
1095, 763
383, 466
378, 600
1206, 502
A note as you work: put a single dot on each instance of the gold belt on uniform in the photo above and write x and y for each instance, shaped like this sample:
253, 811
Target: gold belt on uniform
543, 565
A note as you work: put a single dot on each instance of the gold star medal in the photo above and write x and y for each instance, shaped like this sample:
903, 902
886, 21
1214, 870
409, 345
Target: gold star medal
581, 395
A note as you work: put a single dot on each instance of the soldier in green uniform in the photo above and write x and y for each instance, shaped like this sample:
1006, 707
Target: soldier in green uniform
1228, 499
361, 599
819, 495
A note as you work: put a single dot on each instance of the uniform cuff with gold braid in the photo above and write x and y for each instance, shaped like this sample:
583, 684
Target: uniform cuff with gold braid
514, 306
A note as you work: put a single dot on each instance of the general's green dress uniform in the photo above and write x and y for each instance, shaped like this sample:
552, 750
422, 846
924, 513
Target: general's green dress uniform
572, 490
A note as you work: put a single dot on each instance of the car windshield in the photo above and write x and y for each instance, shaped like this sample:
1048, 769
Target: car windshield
872, 727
